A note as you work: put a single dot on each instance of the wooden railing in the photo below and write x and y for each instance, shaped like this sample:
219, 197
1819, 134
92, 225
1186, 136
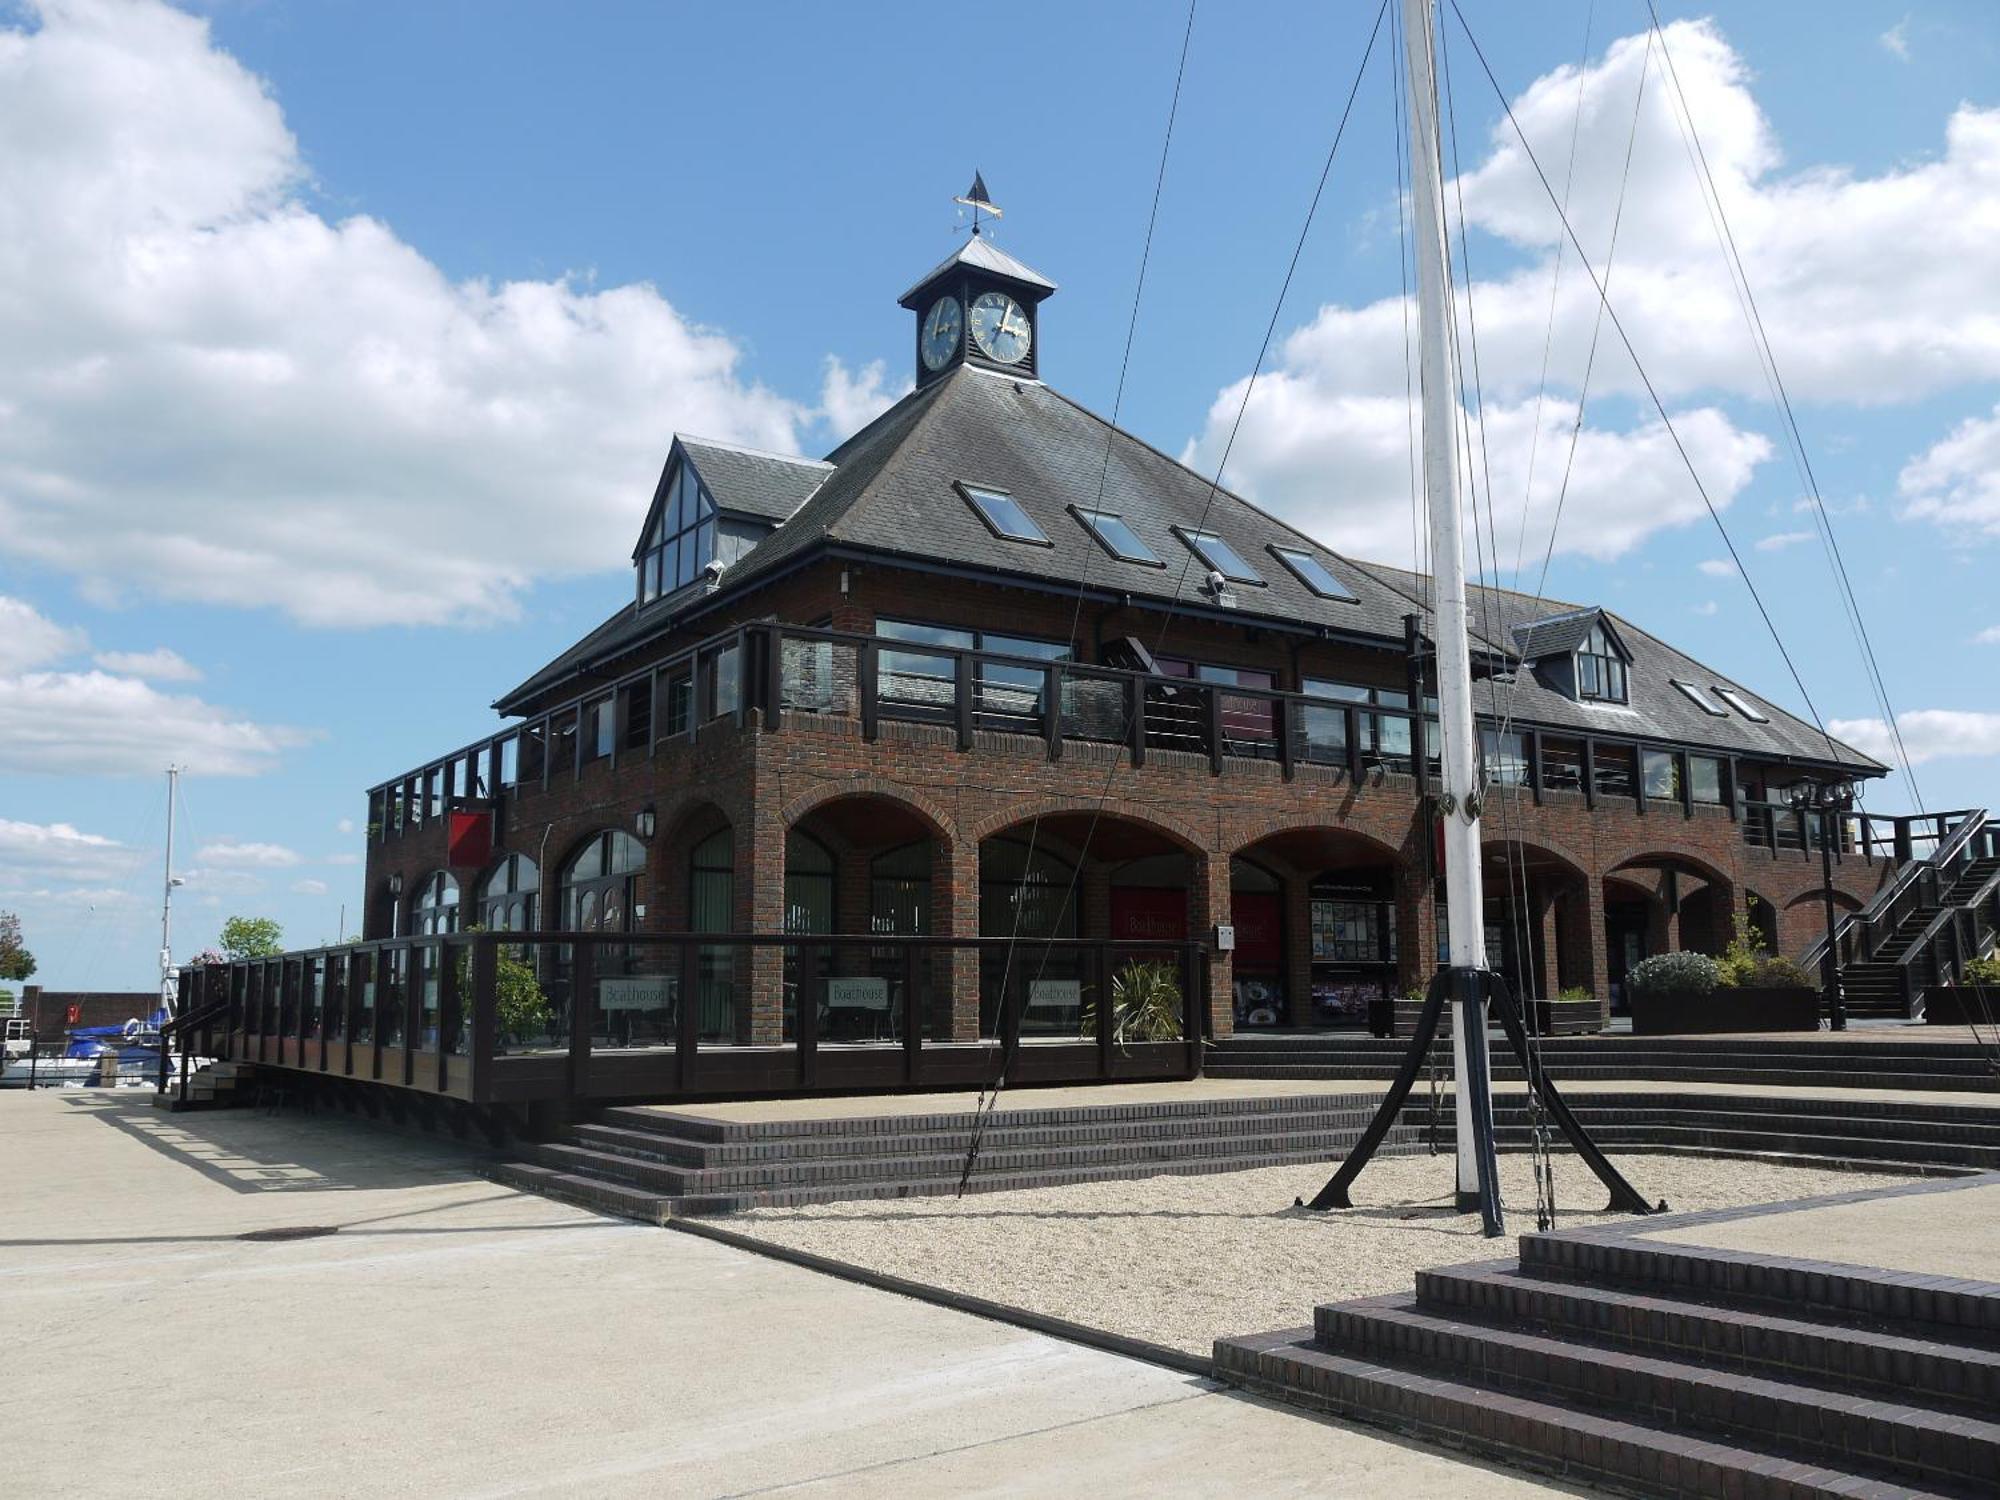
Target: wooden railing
522, 1018
780, 670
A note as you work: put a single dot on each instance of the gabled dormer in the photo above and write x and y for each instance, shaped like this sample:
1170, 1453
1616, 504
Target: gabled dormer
1579, 655
714, 502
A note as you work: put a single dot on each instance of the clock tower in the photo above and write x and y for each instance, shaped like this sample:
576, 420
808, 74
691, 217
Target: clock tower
979, 306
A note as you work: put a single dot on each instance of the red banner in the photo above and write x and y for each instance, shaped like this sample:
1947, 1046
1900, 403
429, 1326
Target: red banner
1259, 920
470, 840
1142, 914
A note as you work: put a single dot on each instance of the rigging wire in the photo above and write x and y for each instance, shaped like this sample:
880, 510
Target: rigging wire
1652, 391
983, 1110
1214, 488
1802, 459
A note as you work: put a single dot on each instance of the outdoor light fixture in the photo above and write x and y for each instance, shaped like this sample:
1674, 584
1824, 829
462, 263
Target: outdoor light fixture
648, 822
396, 885
1829, 800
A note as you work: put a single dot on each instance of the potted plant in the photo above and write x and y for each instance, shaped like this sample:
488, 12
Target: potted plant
1769, 992
1973, 1001
1146, 1004
1573, 1012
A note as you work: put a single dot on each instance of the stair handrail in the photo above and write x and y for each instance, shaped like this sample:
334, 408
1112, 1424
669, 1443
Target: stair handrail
1877, 912
1945, 970
184, 1024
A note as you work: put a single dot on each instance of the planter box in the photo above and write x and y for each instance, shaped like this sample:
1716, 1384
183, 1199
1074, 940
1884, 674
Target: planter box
1742, 1009
1956, 1005
1546, 1017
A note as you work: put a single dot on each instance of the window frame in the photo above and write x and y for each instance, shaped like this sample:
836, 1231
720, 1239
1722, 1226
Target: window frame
704, 517
970, 492
1192, 538
1604, 664
1735, 699
1295, 560
1087, 517
1698, 698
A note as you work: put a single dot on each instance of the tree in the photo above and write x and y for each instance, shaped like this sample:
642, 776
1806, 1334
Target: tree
16, 962
252, 937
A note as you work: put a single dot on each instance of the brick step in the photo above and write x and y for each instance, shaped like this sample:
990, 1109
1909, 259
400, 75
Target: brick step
1966, 1312
1787, 1418
1001, 1133
586, 1192
1566, 1075
1888, 1152
1841, 1352
1134, 1157
689, 1126
1839, 1057
1579, 1445
1829, 1125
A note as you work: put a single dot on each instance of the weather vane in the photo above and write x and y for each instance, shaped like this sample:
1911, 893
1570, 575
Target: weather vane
977, 199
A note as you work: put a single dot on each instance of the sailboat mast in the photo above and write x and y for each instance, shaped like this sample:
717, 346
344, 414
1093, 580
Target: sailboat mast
167, 900
1460, 798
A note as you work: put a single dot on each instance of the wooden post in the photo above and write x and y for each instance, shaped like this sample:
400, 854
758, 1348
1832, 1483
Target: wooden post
1685, 767
1135, 711
774, 677
913, 1019
688, 1039
1052, 709
1535, 765
806, 1034
582, 981
485, 1019
1282, 710
448, 1011
1353, 737
961, 697
1214, 713
867, 663
1590, 772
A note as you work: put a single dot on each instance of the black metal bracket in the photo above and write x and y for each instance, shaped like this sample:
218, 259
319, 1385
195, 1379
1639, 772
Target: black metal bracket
1476, 988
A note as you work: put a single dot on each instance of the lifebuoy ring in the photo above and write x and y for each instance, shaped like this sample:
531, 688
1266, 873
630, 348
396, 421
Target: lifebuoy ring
133, 1026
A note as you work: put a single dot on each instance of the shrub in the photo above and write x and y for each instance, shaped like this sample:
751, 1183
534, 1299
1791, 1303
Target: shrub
1145, 1004
1775, 972
1576, 994
1673, 974
1981, 971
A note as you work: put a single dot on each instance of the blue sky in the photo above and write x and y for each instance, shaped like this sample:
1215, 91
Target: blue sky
340, 345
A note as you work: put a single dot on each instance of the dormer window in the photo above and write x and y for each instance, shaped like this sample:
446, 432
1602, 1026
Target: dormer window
681, 540
1600, 668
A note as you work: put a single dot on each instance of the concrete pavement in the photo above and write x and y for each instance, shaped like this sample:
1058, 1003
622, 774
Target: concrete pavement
455, 1338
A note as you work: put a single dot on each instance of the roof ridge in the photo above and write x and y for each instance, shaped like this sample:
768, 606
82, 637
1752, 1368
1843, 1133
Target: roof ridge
686, 438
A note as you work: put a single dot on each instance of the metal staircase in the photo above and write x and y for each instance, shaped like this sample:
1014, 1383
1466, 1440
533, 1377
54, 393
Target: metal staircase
1934, 916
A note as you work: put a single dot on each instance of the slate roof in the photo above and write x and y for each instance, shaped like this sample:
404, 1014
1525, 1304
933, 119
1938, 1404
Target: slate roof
752, 482
1657, 709
981, 254
893, 492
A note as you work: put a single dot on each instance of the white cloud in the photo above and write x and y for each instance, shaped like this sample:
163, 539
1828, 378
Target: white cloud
309, 887
1705, 608
345, 825
342, 859
1956, 483
30, 639
94, 724
1780, 540
1896, 40
1870, 287
848, 402
286, 389
158, 665
60, 851
247, 856
1990, 636
1928, 734
1717, 567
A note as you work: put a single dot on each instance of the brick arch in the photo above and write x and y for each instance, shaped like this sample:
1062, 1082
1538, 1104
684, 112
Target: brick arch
1815, 895
1539, 844
1166, 825
1703, 863
911, 800
1239, 841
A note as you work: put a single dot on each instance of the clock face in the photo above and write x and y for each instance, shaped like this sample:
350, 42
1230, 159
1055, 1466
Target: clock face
942, 326
999, 327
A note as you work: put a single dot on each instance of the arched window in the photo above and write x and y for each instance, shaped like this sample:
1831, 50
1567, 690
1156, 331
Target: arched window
434, 908
899, 890
809, 884
599, 883
712, 883
508, 895
1024, 892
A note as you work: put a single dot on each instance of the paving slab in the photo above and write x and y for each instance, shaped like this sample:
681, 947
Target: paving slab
1943, 1233
454, 1338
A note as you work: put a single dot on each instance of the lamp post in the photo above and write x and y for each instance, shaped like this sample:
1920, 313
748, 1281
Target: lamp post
1825, 800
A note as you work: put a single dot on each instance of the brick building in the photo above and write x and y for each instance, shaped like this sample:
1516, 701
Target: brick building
994, 666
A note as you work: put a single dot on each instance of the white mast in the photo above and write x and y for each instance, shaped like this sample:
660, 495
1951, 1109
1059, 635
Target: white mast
167, 995
1460, 796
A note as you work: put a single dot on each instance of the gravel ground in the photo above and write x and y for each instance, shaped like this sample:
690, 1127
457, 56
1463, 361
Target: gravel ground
1182, 1261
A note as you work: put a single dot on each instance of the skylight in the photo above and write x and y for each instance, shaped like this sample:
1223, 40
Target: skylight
1741, 704
1218, 554
1003, 514
1698, 698
1120, 540
1313, 573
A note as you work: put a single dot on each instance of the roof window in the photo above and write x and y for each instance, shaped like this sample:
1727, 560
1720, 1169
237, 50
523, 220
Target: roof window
1218, 554
1312, 572
1115, 536
1741, 704
1003, 515
1698, 698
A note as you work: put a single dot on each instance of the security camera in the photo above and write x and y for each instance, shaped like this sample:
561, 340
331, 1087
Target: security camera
1216, 582
713, 568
